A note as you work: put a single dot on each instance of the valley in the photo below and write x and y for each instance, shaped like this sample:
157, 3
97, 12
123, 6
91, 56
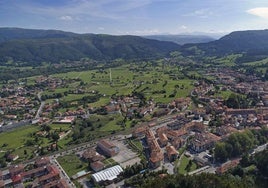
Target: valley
185, 113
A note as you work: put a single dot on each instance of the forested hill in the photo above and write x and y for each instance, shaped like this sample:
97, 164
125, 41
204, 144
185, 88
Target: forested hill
7, 34
254, 41
53, 46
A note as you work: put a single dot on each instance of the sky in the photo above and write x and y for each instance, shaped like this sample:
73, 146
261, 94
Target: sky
136, 17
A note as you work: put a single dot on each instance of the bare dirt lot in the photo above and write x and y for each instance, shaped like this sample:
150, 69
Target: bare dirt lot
126, 156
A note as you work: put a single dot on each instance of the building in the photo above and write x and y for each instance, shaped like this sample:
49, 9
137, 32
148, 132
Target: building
172, 153
34, 173
107, 148
227, 166
57, 183
156, 154
139, 132
92, 156
203, 141
15, 170
108, 174
43, 174
42, 161
178, 142
163, 140
53, 175
242, 112
97, 166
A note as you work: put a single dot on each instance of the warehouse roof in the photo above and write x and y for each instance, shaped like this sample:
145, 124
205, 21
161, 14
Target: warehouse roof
108, 174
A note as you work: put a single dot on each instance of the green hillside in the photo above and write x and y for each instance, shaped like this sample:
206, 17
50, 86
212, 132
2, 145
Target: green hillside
54, 46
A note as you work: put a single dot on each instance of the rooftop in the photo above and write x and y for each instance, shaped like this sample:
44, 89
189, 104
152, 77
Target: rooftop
108, 174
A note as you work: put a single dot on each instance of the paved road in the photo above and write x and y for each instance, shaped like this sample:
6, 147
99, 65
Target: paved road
40, 110
259, 149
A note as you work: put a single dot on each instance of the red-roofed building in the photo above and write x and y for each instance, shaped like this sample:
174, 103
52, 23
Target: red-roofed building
178, 142
97, 166
2, 184
17, 179
163, 140
34, 173
15, 170
92, 156
227, 166
51, 176
56, 184
107, 148
172, 153
203, 141
42, 161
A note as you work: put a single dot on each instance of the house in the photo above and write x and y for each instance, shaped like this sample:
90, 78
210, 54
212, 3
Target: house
12, 157
107, 148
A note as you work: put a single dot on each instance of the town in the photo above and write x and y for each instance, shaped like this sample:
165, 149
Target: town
183, 129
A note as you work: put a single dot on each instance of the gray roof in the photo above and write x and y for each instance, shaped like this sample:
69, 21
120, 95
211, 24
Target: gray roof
108, 174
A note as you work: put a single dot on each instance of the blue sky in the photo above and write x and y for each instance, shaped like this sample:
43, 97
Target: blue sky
136, 17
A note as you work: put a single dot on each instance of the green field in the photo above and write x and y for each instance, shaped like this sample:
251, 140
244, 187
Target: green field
72, 164
126, 79
16, 138
183, 164
14, 141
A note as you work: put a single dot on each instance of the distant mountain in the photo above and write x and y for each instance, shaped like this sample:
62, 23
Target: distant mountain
181, 39
247, 42
53, 46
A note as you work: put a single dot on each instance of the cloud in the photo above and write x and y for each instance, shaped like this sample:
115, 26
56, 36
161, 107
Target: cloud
184, 27
107, 9
260, 12
201, 13
66, 18
147, 32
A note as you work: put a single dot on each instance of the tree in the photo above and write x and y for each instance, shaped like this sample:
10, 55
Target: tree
55, 136
220, 152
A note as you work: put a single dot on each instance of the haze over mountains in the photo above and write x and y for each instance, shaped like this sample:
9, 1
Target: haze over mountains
29, 45
182, 39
